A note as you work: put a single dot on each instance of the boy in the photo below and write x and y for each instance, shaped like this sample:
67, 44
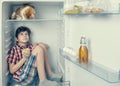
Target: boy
24, 58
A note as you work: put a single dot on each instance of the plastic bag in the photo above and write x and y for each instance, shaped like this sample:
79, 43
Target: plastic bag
96, 6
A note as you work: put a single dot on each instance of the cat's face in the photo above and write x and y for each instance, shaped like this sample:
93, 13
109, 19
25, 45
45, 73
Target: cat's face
29, 13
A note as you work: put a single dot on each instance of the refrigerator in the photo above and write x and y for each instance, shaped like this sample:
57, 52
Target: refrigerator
59, 30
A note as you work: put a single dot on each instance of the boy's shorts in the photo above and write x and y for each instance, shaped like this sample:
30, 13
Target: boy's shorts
28, 72
34, 82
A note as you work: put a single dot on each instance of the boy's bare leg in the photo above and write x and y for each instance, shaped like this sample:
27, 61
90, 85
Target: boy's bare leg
39, 53
51, 75
43, 44
47, 64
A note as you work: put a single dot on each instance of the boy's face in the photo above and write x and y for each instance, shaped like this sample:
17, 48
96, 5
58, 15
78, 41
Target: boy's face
23, 37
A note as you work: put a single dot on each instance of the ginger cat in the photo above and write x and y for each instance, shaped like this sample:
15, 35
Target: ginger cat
26, 11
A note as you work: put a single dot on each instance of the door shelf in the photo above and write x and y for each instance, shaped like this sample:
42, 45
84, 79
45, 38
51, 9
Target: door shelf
97, 69
99, 13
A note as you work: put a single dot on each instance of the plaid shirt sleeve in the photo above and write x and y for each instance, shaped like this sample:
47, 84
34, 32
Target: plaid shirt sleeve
12, 56
31, 46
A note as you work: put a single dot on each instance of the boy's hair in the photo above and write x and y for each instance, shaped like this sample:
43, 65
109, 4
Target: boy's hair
22, 29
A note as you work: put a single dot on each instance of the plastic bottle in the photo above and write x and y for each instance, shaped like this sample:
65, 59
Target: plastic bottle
83, 51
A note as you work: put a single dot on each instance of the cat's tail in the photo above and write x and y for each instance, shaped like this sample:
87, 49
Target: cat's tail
13, 15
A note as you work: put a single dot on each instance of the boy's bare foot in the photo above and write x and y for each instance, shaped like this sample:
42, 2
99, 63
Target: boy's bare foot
55, 77
48, 83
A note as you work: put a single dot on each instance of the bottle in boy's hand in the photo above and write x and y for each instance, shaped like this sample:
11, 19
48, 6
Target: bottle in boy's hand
26, 52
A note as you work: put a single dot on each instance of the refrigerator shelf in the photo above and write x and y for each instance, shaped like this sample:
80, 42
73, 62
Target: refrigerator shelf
35, 20
43, 2
97, 69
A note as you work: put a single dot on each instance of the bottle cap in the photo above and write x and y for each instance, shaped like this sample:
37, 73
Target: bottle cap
83, 39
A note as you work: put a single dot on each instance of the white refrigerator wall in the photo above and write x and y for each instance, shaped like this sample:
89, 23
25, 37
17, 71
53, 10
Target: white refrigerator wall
0, 46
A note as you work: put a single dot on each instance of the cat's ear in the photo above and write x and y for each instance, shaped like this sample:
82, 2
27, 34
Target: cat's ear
26, 4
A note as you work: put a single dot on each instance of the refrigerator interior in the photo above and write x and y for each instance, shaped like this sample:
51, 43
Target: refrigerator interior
59, 30
47, 27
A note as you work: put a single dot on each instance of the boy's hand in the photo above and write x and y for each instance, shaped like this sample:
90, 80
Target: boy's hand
26, 52
34, 46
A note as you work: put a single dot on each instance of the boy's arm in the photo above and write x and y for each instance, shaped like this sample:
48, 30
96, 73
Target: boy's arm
14, 67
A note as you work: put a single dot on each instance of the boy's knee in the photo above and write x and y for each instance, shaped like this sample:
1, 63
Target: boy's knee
42, 46
37, 49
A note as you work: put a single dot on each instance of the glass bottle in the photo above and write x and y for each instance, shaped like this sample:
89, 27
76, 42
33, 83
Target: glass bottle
83, 51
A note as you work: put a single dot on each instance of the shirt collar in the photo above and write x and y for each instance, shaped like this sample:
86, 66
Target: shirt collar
22, 47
